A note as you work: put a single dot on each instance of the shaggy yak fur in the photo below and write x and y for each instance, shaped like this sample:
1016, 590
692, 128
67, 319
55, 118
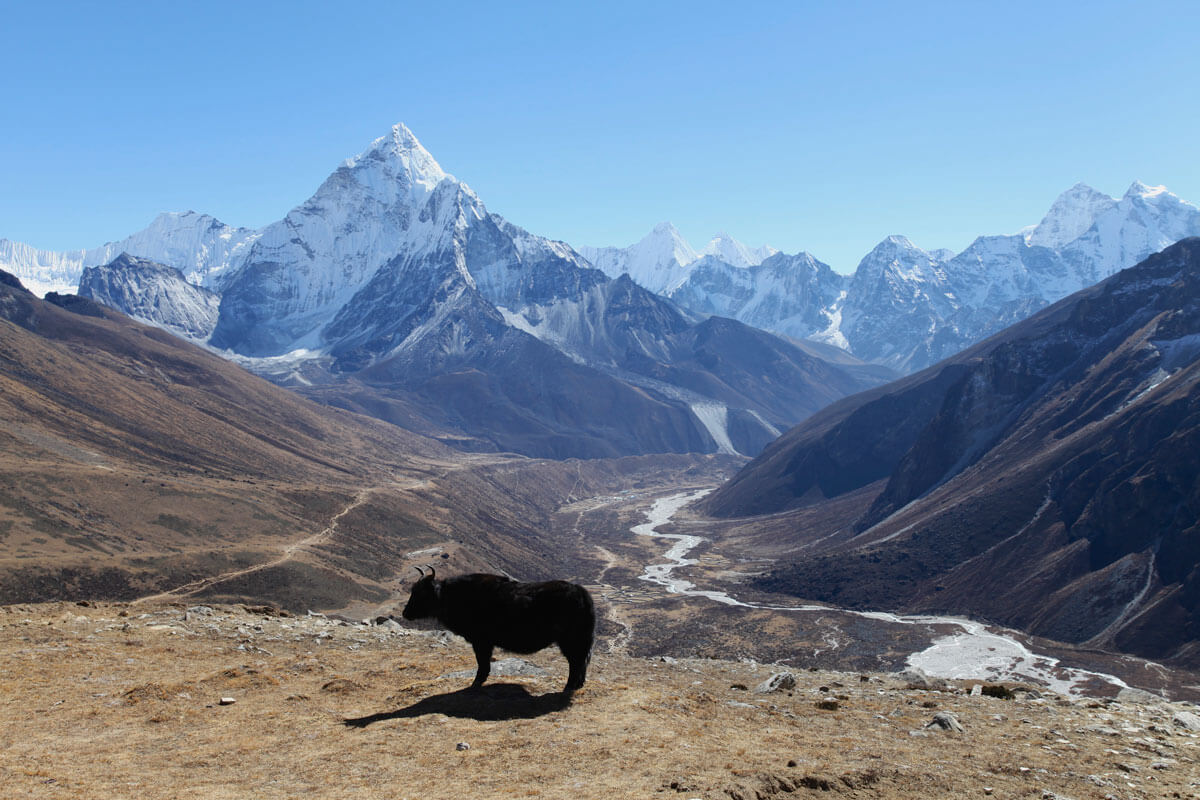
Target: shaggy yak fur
492, 611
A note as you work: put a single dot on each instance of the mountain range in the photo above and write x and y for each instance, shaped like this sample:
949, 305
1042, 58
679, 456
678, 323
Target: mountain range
904, 306
1045, 478
394, 291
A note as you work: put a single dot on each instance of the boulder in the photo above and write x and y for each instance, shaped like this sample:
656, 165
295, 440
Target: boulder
779, 682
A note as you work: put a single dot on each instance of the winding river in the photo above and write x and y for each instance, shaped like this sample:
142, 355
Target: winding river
974, 652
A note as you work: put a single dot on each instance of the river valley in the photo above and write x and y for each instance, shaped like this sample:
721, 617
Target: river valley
690, 578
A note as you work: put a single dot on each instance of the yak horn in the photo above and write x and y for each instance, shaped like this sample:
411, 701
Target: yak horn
420, 571
431, 570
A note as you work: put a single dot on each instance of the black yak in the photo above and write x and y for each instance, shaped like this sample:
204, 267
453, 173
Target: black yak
492, 611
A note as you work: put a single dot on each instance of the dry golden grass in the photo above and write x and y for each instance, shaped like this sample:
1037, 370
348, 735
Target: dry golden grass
115, 701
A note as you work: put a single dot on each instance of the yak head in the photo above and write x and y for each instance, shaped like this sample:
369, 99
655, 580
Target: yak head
423, 602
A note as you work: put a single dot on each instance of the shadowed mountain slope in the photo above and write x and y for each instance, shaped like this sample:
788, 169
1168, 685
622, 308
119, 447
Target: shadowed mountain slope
1047, 478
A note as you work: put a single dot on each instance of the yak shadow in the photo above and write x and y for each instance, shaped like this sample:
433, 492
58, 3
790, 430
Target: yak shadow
496, 702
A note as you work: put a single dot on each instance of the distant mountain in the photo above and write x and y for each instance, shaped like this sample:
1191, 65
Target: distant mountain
1044, 478
729, 250
663, 260
906, 307
657, 262
793, 295
201, 247
393, 290
1069, 217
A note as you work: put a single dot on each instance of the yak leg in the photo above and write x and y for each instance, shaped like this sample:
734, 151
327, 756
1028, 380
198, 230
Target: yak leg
578, 654
483, 656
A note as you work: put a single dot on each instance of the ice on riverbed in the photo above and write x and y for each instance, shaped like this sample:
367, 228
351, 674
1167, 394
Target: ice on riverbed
973, 653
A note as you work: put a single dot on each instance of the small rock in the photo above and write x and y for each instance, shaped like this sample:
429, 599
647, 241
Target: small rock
201, 611
945, 721
1103, 730
779, 682
462, 746
977, 691
227, 701
827, 705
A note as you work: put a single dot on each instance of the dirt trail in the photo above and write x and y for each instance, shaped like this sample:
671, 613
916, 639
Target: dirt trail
289, 552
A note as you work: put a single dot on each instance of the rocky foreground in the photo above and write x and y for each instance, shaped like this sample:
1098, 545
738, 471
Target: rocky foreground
174, 701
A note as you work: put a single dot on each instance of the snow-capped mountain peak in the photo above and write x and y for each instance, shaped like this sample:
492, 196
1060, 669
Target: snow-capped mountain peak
1071, 214
665, 244
731, 251
659, 261
1139, 189
404, 157
391, 200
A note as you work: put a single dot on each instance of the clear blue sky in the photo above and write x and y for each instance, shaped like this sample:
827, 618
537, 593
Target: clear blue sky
815, 126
